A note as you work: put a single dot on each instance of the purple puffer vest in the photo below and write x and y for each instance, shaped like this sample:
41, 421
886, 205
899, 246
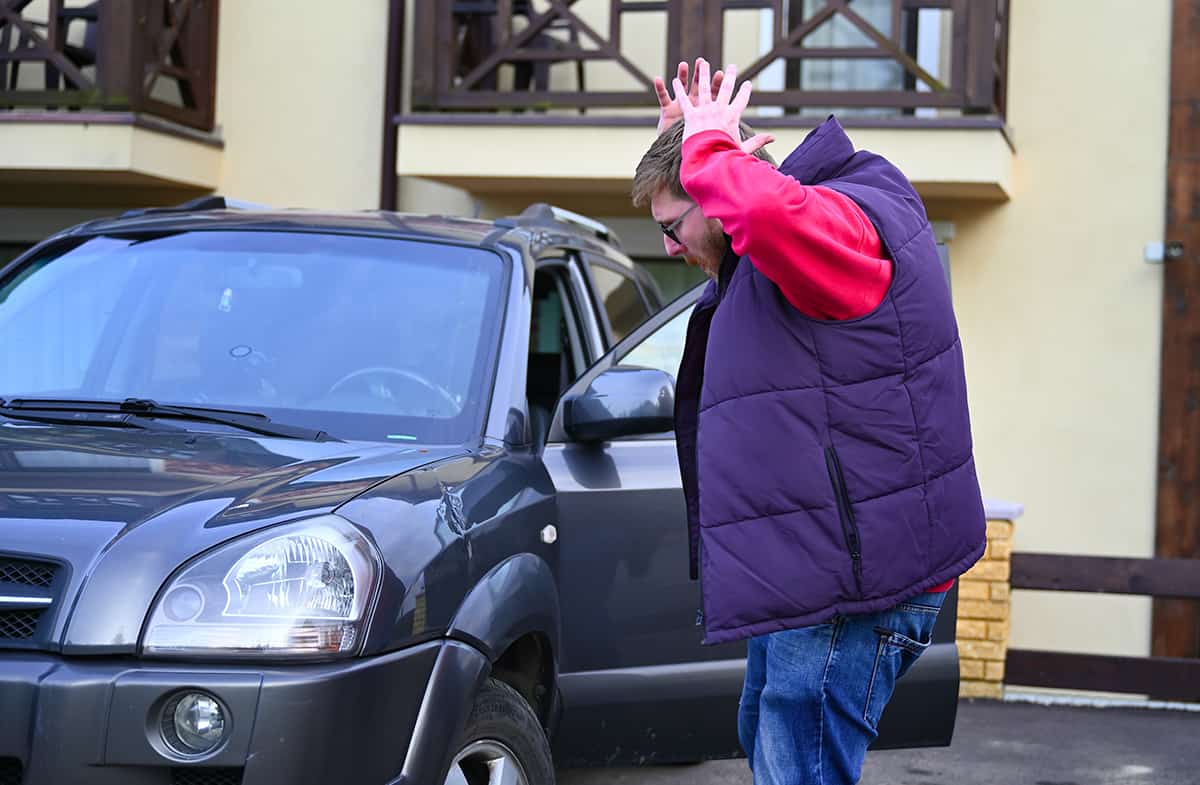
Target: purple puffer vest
827, 465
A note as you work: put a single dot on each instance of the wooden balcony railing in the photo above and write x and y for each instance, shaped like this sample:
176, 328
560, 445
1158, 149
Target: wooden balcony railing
891, 58
154, 57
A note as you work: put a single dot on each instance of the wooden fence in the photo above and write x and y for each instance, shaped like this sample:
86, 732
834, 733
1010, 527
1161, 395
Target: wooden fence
1164, 678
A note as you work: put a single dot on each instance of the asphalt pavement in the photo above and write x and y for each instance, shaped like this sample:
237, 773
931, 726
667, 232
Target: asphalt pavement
997, 743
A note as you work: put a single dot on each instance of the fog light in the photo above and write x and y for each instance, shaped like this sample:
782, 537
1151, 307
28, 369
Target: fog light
193, 723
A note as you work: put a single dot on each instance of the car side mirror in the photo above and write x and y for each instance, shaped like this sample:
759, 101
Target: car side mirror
622, 401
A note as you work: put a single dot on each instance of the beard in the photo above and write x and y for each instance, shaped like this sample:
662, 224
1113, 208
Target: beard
710, 253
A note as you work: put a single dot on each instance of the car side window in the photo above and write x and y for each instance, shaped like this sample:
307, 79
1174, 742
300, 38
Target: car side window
622, 300
557, 349
661, 349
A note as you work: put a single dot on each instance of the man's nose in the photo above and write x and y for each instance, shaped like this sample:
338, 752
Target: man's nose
673, 248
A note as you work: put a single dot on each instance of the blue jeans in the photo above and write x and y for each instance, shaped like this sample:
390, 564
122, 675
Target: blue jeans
813, 696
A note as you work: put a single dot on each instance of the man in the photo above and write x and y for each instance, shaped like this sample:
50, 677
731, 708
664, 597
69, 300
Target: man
821, 418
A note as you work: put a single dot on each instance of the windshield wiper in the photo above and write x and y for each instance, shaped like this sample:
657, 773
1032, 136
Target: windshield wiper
88, 418
255, 422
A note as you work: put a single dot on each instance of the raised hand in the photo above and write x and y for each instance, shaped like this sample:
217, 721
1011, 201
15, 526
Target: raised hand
711, 108
669, 111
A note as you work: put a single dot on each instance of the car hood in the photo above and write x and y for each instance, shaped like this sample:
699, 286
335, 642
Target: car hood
120, 508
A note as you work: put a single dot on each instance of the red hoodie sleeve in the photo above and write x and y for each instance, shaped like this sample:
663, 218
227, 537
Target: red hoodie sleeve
814, 243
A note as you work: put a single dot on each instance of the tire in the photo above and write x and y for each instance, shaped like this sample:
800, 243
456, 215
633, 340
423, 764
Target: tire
502, 732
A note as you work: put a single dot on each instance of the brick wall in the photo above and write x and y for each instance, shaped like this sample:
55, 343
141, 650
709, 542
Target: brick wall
983, 616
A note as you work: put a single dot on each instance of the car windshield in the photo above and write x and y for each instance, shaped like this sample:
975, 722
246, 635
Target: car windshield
363, 337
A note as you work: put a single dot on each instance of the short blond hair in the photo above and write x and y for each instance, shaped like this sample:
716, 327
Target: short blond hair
659, 167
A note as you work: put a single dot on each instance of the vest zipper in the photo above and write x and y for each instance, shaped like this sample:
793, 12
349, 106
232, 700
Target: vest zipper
845, 514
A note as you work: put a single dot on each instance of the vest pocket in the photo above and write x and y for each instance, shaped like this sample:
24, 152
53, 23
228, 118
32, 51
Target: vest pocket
845, 514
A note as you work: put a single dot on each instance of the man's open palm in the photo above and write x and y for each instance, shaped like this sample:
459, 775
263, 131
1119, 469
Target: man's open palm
669, 111
705, 111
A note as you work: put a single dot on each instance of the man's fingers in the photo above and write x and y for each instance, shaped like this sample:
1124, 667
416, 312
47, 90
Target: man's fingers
660, 89
685, 105
727, 84
756, 143
705, 88
741, 99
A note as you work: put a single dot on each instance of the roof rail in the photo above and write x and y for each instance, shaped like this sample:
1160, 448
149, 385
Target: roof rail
197, 205
542, 214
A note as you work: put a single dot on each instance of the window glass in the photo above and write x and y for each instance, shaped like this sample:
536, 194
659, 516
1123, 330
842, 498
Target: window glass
663, 348
362, 337
673, 276
852, 74
50, 331
622, 300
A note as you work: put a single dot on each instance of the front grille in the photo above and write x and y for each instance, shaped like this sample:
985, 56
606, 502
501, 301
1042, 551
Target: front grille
28, 588
201, 775
19, 625
10, 771
27, 573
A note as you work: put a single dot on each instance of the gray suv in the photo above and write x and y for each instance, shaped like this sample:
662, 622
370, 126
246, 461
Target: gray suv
293, 497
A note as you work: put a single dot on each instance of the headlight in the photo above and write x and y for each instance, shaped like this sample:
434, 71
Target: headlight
301, 589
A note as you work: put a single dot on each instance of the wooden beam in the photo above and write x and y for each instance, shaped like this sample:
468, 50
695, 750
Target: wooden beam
1176, 626
1166, 678
1153, 577
981, 55
391, 105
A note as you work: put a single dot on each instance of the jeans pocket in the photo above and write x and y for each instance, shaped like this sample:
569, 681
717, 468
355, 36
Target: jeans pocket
894, 655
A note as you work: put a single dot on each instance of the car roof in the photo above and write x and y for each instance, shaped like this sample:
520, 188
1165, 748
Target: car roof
416, 227
538, 228
541, 231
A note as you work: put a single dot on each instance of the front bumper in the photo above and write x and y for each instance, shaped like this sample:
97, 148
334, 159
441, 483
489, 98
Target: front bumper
95, 722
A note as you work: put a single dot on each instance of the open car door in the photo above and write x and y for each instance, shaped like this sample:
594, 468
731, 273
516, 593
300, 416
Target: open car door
637, 686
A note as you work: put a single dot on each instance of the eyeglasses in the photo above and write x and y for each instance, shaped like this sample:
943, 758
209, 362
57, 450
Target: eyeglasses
669, 229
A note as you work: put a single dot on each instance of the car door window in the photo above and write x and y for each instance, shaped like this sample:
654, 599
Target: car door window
557, 348
622, 300
657, 343
662, 348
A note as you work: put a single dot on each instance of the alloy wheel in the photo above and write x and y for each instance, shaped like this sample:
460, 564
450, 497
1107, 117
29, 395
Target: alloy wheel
486, 763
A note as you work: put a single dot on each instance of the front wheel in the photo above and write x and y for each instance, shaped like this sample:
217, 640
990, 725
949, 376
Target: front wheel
503, 743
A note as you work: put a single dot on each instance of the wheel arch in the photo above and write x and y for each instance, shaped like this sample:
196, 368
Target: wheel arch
513, 616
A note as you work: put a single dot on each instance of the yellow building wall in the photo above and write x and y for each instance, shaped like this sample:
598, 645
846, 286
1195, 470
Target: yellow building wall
300, 102
1060, 314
